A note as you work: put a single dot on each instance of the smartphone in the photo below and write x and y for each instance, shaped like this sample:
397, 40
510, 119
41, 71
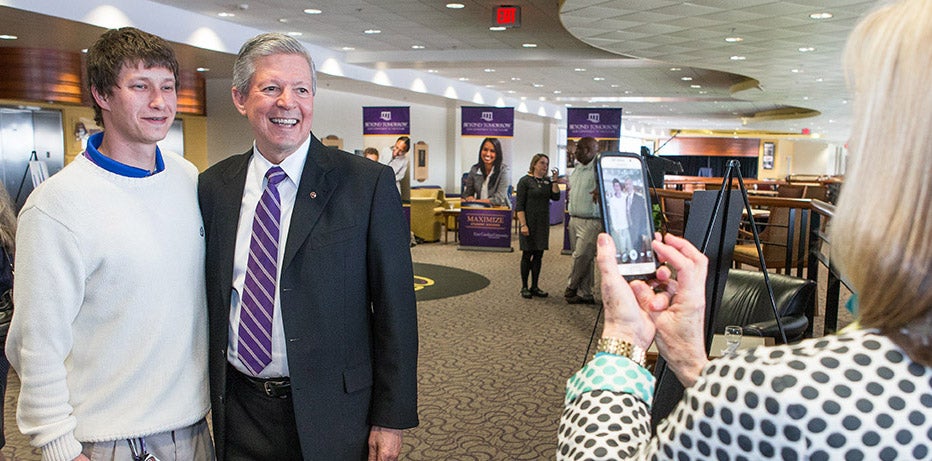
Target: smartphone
626, 212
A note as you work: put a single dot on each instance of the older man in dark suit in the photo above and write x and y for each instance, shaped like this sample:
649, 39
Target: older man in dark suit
313, 330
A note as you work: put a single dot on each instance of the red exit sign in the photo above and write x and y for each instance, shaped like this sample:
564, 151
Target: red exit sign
507, 16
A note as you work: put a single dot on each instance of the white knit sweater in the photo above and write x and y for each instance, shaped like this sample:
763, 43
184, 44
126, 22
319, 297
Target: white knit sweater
109, 337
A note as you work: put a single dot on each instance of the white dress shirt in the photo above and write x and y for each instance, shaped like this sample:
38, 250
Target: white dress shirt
287, 190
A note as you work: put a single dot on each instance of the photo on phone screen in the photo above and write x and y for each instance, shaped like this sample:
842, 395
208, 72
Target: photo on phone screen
626, 212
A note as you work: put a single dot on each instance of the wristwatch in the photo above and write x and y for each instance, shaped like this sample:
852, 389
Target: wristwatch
618, 346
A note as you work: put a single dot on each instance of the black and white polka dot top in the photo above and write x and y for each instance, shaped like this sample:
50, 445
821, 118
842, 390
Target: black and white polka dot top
847, 397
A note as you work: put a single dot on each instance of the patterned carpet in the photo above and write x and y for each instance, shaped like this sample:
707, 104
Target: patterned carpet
492, 365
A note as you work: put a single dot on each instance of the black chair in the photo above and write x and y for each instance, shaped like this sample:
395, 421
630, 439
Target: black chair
746, 303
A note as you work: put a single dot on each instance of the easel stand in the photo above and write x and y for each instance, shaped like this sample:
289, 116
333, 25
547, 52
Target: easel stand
722, 206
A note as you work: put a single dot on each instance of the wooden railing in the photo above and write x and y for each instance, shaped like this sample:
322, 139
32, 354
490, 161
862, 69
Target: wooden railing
801, 244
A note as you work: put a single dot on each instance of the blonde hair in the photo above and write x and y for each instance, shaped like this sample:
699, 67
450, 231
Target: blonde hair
882, 228
7, 222
534, 161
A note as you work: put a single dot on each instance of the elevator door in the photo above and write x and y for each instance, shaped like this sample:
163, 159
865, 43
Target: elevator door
23, 132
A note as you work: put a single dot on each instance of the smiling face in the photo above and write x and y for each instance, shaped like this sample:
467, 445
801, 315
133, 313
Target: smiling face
141, 107
487, 154
279, 104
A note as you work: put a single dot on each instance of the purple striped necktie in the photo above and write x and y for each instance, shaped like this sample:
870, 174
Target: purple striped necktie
258, 305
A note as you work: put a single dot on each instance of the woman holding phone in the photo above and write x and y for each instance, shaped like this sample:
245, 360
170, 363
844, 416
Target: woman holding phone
535, 191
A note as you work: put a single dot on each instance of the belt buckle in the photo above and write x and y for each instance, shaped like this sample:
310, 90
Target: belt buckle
272, 388
269, 391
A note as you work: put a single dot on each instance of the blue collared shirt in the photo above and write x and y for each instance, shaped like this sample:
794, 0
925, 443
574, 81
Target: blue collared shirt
93, 154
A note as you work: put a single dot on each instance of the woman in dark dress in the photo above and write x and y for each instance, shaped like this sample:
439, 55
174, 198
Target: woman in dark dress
535, 191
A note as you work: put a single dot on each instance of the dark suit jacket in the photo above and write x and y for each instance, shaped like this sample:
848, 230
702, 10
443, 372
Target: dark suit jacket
351, 366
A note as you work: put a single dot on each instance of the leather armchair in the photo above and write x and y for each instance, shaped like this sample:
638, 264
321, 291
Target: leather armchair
746, 302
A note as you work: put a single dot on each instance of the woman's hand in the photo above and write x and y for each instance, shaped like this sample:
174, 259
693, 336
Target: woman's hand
675, 302
624, 319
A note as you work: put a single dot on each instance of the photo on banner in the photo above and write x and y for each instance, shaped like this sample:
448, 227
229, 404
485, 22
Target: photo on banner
603, 124
482, 228
382, 126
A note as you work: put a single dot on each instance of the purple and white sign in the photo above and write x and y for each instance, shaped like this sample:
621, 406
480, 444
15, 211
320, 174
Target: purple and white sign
485, 228
497, 122
597, 123
386, 120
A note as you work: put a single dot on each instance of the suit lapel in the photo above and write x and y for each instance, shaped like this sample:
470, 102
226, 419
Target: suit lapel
318, 181
226, 217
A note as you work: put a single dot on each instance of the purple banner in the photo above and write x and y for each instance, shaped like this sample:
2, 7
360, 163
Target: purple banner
386, 120
485, 227
597, 123
498, 122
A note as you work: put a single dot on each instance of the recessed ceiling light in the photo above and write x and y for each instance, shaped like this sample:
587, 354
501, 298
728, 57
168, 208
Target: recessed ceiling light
734, 39
738, 58
795, 71
295, 34
615, 85
203, 69
820, 80
542, 98
283, 20
488, 70
806, 49
598, 79
417, 47
372, 31
579, 69
703, 92
675, 69
497, 28
695, 86
224, 14
557, 92
511, 91
805, 98
490, 86
627, 91
824, 15
537, 85
347, 48
515, 79
312, 11
8, 37
463, 79
529, 45
432, 71
84, 50
686, 79
455, 6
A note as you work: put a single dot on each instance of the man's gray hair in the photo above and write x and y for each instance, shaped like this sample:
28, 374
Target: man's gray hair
266, 45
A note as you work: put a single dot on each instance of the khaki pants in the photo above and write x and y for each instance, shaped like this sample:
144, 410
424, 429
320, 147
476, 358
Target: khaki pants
583, 278
190, 443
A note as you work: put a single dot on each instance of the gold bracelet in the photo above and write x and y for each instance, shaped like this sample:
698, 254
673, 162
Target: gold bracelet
618, 346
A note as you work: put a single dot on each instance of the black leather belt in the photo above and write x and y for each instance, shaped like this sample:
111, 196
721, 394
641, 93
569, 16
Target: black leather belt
272, 387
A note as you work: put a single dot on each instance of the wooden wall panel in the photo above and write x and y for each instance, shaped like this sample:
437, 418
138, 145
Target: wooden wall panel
713, 147
40, 75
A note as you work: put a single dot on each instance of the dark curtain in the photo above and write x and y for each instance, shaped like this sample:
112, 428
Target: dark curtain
692, 164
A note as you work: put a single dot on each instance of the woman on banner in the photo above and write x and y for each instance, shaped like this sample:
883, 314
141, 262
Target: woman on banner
863, 393
535, 191
488, 180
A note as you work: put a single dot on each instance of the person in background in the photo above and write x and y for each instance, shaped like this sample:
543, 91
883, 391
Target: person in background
489, 178
863, 393
109, 338
310, 286
399, 164
7, 248
585, 223
535, 191
371, 153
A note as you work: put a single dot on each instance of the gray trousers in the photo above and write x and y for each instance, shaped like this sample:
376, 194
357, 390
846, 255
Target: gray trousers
190, 443
583, 235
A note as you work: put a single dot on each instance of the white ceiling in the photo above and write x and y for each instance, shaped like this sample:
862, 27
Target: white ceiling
629, 45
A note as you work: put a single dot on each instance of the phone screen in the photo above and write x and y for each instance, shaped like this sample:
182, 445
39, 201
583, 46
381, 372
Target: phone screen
626, 212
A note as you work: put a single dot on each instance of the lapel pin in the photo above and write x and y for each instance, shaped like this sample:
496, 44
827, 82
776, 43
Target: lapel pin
313, 194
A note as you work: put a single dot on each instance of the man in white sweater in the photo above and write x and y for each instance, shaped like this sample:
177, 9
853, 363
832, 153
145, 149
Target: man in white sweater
109, 337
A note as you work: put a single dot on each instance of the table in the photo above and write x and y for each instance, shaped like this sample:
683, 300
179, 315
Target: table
449, 213
718, 344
